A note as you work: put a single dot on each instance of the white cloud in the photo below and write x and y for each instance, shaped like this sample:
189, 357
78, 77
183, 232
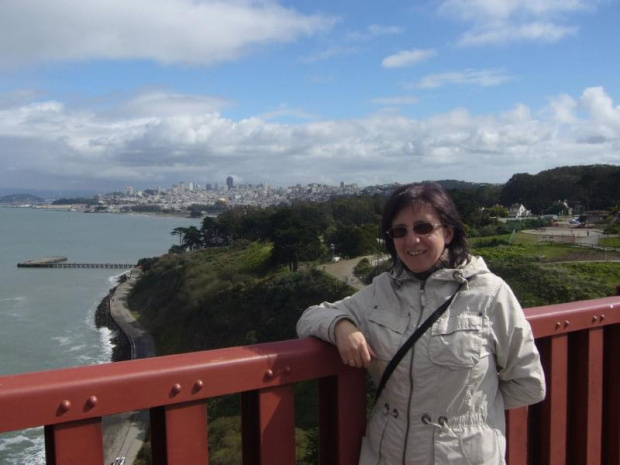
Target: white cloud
481, 78
166, 31
160, 103
56, 144
562, 108
495, 22
375, 30
531, 32
400, 100
407, 58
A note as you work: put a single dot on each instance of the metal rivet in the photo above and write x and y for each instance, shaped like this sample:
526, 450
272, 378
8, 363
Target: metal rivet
65, 405
269, 374
288, 370
594, 319
92, 401
602, 317
566, 323
198, 385
557, 325
176, 389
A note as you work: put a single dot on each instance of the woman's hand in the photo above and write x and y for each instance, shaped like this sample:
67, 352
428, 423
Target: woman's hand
352, 345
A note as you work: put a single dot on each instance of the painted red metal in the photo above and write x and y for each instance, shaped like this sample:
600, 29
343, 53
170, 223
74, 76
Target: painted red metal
516, 426
554, 409
579, 422
74, 443
277, 425
586, 396
611, 400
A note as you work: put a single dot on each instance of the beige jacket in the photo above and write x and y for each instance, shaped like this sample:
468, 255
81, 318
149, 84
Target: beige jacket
444, 403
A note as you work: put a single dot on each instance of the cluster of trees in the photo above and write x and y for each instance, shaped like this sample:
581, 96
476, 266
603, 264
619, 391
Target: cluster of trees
304, 231
307, 231
593, 187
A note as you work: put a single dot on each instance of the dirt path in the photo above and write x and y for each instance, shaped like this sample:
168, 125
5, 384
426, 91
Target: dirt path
343, 270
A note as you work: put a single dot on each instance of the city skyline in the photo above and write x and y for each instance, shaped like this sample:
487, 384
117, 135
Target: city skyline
103, 95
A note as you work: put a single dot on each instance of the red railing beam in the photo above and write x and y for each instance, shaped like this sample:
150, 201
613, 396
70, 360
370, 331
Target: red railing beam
93, 391
556, 319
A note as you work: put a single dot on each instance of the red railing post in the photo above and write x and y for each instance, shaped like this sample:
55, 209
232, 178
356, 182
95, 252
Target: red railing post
180, 434
342, 417
586, 396
74, 443
516, 435
554, 409
611, 399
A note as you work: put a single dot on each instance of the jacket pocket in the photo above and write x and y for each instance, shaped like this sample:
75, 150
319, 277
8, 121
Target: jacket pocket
386, 330
476, 445
481, 446
456, 340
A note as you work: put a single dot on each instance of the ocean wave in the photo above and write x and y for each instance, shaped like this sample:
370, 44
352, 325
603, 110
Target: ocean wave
106, 335
63, 341
14, 299
114, 279
25, 447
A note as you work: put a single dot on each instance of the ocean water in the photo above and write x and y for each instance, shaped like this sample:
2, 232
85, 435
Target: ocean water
47, 315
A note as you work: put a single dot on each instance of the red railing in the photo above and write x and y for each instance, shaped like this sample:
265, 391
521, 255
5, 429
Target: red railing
579, 422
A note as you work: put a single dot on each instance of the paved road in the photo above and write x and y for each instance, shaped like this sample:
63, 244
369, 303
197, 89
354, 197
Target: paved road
124, 434
343, 269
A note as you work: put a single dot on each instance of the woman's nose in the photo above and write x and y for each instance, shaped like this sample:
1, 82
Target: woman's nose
412, 237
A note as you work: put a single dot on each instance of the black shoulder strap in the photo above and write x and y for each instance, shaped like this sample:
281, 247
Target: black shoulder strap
412, 340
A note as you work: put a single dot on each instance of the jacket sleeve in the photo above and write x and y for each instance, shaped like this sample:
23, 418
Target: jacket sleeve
320, 320
521, 377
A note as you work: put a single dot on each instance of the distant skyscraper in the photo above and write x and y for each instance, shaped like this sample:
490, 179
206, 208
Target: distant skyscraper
129, 190
229, 182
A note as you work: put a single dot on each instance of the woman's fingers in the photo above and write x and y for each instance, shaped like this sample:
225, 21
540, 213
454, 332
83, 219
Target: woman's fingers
352, 345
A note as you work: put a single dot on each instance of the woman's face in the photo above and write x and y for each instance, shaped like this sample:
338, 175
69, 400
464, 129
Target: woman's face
419, 252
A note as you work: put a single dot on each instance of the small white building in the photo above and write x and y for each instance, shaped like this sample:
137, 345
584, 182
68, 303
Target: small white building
518, 210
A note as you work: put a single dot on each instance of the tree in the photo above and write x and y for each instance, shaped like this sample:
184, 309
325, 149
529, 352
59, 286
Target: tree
192, 238
180, 231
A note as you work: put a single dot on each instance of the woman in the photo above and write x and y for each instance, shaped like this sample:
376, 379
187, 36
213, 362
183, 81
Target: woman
444, 403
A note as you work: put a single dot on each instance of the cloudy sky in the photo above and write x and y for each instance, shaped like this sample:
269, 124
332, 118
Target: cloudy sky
104, 94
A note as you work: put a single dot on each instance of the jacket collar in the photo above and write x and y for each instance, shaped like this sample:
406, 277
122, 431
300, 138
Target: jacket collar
475, 265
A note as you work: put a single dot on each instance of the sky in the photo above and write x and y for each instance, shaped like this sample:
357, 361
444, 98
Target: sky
105, 94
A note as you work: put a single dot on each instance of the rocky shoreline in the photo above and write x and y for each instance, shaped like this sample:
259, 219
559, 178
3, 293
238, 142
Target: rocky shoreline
103, 319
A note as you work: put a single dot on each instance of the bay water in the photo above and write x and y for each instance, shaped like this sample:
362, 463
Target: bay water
47, 315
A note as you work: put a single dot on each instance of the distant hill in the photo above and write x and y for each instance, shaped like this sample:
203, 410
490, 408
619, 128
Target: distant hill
21, 199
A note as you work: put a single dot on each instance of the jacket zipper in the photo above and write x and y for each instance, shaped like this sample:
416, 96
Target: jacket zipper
422, 306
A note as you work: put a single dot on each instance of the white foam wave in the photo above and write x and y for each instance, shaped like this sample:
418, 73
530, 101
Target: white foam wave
114, 279
13, 299
106, 335
62, 340
26, 447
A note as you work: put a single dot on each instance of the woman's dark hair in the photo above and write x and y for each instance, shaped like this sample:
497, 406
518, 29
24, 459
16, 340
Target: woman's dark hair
432, 195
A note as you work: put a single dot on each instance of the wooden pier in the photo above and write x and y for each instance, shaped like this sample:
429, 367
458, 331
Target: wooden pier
61, 262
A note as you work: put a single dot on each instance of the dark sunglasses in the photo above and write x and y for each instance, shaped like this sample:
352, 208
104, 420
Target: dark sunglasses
421, 229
